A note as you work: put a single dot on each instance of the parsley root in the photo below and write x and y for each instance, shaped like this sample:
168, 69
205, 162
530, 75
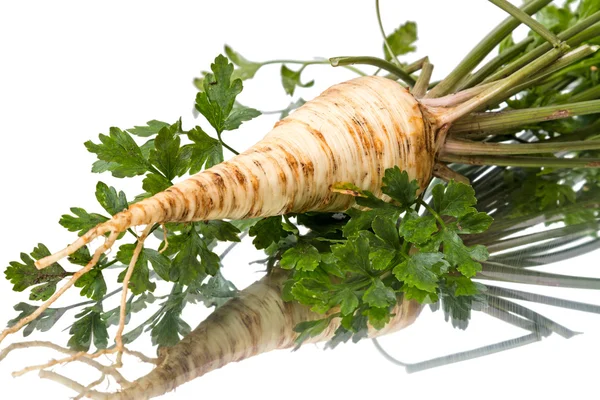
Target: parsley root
382, 194
352, 132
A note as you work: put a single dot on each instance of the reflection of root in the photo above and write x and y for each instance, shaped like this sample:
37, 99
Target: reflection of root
83, 357
97, 254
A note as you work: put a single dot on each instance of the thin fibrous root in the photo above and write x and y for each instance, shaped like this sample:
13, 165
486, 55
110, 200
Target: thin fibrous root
71, 384
104, 369
123, 312
165, 240
25, 320
90, 387
86, 358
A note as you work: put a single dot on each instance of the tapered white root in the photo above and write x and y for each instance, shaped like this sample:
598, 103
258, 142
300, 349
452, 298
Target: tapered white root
97, 254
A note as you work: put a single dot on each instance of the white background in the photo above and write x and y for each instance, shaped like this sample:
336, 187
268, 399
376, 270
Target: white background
70, 70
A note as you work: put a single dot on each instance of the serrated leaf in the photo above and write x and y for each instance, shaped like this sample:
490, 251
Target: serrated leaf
89, 325
92, 284
418, 270
155, 183
378, 317
247, 69
82, 221
386, 229
206, 151
476, 222
167, 156
303, 257
266, 231
308, 329
238, 115
347, 300
417, 229
25, 274
456, 200
109, 199
353, 255
379, 295
216, 101
219, 230
43, 323
461, 256
290, 79
140, 277
150, 129
168, 328
397, 185
119, 153
402, 40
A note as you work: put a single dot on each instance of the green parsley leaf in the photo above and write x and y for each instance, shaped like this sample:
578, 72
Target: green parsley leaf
461, 256
219, 230
217, 100
417, 229
140, 278
290, 79
266, 231
353, 255
347, 300
169, 327
402, 40
247, 69
378, 317
92, 284
82, 221
463, 286
26, 274
167, 155
418, 270
119, 154
476, 222
422, 296
308, 329
361, 220
396, 184
379, 295
455, 200
109, 199
238, 115
206, 151
386, 229
303, 257
89, 325
155, 183
43, 323
150, 129
193, 259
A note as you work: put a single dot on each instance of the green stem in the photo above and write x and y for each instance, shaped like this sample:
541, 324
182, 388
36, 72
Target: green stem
496, 63
483, 49
312, 62
467, 147
422, 83
432, 212
571, 33
527, 20
502, 120
500, 88
231, 149
377, 62
524, 162
554, 71
589, 94
385, 41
